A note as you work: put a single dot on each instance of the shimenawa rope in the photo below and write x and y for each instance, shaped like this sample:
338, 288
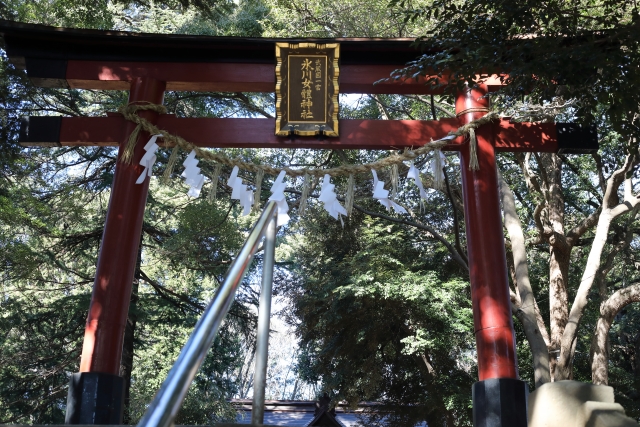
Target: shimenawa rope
130, 113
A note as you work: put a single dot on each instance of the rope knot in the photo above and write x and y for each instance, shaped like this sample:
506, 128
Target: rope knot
470, 129
130, 112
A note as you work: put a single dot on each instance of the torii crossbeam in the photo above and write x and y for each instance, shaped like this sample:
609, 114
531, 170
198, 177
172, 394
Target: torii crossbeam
148, 65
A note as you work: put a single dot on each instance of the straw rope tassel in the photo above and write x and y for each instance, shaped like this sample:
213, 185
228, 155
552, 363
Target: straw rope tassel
394, 181
171, 164
213, 192
438, 178
127, 154
473, 151
256, 202
306, 186
348, 200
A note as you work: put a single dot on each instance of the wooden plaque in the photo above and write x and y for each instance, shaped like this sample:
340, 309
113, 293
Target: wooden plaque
307, 89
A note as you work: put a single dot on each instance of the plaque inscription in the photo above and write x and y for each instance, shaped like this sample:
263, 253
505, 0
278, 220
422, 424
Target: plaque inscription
307, 89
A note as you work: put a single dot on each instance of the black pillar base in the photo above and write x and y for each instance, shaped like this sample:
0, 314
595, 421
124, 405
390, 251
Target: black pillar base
95, 398
500, 402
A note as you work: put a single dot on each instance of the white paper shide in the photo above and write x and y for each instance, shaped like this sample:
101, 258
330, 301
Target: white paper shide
148, 159
192, 176
240, 191
329, 198
277, 195
382, 195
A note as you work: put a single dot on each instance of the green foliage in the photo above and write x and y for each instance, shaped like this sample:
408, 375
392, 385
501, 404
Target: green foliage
99, 14
381, 306
52, 208
67, 13
244, 19
162, 333
376, 321
583, 50
625, 367
41, 339
329, 18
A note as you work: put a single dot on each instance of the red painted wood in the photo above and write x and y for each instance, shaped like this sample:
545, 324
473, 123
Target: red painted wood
495, 339
224, 77
354, 134
525, 137
260, 133
104, 332
230, 77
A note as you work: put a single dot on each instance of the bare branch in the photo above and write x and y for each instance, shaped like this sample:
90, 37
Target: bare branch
244, 99
610, 210
594, 191
164, 293
529, 174
537, 213
456, 222
606, 267
424, 99
585, 225
526, 312
611, 199
430, 230
599, 345
630, 201
381, 107
602, 182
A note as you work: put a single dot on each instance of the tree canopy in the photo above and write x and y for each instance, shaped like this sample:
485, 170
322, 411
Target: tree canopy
381, 305
583, 51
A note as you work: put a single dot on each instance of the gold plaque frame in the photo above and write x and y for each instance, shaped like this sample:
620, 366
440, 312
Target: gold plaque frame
293, 117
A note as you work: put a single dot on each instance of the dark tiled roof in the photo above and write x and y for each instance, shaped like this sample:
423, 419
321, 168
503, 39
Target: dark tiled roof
299, 413
293, 413
25, 40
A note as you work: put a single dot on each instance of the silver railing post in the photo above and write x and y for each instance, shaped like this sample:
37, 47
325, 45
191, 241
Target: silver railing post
164, 407
264, 315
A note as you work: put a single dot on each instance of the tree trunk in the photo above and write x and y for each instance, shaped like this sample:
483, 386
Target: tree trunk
526, 313
611, 209
563, 371
559, 253
558, 303
635, 362
295, 390
599, 344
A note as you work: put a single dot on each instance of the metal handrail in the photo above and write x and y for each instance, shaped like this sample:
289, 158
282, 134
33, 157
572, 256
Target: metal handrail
264, 317
164, 407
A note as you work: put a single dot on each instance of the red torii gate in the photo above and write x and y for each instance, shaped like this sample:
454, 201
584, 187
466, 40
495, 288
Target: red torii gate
148, 65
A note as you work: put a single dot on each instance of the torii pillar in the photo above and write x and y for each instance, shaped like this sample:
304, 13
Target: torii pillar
96, 393
500, 397
147, 64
